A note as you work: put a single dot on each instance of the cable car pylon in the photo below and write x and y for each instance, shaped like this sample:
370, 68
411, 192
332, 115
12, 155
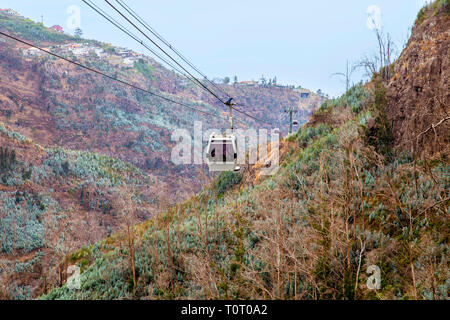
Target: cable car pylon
292, 121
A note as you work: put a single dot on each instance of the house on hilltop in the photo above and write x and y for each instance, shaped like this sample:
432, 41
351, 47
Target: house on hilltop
76, 48
57, 28
81, 51
9, 12
125, 53
129, 61
248, 83
305, 95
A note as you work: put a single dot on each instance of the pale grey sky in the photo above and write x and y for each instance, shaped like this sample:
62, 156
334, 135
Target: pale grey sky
300, 42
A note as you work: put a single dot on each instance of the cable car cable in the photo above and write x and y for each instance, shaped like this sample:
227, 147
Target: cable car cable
161, 38
130, 34
110, 77
179, 54
164, 51
202, 85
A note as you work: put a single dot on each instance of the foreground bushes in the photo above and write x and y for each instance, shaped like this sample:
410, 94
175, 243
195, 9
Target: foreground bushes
335, 208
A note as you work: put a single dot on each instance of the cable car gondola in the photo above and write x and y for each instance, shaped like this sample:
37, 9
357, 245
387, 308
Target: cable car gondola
222, 151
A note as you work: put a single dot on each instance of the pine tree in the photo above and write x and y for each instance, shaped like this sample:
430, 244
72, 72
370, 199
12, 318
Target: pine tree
78, 32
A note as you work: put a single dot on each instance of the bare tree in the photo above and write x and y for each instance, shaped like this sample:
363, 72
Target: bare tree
123, 203
381, 61
347, 76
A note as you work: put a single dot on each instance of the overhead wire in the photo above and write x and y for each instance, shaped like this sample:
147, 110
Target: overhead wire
136, 16
130, 34
168, 44
110, 77
164, 51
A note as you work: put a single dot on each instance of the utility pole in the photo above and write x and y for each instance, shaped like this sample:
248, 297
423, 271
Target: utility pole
290, 110
347, 76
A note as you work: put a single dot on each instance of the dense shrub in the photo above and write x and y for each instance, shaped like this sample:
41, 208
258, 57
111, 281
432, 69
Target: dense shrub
380, 135
144, 68
226, 180
7, 159
21, 226
309, 232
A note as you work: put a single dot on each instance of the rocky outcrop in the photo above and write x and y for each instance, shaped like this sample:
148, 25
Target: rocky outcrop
419, 92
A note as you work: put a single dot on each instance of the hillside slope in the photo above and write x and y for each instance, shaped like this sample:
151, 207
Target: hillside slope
417, 102
58, 104
53, 201
347, 197
74, 146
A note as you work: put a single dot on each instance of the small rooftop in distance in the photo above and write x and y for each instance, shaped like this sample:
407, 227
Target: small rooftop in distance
10, 12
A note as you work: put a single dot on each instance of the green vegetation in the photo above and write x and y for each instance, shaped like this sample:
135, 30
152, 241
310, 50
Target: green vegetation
226, 180
30, 219
335, 207
442, 5
435, 6
29, 30
343, 200
144, 68
382, 138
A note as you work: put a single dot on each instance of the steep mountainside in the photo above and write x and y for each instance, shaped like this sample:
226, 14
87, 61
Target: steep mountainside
58, 104
53, 201
416, 102
347, 199
76, 148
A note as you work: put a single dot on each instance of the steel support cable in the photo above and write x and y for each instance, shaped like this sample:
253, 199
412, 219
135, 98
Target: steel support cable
110, 77
164, 51
161, 38
130, 34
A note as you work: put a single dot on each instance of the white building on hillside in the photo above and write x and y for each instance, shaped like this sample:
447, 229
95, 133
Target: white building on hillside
130, 61
100, 52
32, 52
10, 12
82, 51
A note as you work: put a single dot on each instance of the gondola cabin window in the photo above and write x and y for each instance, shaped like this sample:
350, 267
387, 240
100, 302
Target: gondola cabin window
222, 151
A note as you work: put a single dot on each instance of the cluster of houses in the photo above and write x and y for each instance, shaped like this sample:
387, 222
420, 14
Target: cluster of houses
129, 57
119, 56
248, 83
10, 12
116, 56
81, 49
304, 95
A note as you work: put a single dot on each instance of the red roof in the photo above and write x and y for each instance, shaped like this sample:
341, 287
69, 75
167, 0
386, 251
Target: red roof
57, 28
